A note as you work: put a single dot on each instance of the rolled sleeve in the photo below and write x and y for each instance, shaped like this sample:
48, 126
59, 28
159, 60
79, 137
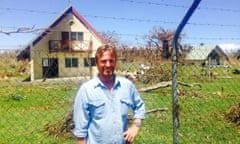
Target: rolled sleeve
140, 112
139, 106
80, 114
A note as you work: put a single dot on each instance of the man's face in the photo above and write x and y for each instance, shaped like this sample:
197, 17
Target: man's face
106, 64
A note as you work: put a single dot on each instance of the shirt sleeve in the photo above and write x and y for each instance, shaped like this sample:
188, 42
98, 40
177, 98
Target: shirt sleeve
80, 114
139, 106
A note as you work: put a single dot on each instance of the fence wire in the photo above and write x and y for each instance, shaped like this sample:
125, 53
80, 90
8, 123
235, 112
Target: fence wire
40, 111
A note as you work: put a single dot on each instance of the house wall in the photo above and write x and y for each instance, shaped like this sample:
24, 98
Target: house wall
216, 58
41, 50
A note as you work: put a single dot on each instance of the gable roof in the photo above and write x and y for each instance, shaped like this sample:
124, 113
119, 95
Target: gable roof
25, 52
68, 10
202, 53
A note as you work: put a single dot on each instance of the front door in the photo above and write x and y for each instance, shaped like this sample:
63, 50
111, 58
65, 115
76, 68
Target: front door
50, 67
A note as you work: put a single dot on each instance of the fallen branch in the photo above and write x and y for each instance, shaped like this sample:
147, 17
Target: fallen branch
190, 85
167, 84
23, 30
156, 110
149, 111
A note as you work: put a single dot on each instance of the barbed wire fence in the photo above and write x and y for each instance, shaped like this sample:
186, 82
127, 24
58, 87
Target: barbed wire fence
40, 111
208, 101
33, 29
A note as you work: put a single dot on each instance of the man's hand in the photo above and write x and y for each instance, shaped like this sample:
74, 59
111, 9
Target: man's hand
131, 133
81, 140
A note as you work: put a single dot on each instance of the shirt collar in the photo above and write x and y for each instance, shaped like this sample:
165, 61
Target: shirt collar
100, 84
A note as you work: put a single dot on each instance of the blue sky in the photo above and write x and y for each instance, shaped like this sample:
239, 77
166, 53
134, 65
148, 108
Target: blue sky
215, 22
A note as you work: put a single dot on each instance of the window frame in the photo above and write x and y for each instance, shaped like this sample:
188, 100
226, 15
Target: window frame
76, 36
71, 62
92, 59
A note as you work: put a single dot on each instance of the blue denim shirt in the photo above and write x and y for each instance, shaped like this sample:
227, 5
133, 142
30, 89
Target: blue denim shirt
101, 117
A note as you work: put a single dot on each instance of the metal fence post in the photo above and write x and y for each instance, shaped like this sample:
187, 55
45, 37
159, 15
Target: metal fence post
175, 106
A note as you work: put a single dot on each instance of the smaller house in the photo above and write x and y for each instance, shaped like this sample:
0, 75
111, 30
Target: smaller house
66, 48
207, 55
237, 55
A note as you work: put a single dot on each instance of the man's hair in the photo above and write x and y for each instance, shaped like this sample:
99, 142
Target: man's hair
105, 48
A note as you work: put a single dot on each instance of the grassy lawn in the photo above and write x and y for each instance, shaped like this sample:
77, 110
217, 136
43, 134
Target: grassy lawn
27, 109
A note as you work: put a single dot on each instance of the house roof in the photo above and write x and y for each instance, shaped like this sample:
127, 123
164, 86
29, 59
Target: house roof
199, 53
202, 52
69, 10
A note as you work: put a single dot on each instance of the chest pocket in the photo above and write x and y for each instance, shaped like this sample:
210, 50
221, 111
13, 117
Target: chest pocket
125, 105
97, 109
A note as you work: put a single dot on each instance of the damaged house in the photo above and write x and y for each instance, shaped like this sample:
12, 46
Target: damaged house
66, 48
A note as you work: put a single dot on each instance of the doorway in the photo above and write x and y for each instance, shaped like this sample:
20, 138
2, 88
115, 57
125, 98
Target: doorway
50, 67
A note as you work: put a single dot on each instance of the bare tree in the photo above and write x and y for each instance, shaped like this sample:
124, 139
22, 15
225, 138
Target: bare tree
111, 37
161, 39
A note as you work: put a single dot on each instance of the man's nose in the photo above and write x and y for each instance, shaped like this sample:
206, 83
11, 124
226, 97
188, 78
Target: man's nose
108, 63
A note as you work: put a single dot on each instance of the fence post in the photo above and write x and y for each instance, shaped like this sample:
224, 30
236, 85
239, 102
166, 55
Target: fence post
175, 106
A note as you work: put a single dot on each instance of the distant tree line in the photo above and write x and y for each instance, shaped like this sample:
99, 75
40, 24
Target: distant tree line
158, 46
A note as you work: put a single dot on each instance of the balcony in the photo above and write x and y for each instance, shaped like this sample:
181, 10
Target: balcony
68, 46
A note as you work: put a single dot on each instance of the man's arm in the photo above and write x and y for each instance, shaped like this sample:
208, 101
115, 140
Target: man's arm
132, 131
81, 140
80, 116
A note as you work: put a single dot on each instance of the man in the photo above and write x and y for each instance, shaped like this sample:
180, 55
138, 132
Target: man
101, 105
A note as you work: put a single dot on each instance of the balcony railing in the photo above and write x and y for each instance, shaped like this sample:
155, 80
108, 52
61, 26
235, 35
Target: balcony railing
68, 46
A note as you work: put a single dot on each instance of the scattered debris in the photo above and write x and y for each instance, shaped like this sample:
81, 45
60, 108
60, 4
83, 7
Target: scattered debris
236, 71
167, 84
62, 129
233, 115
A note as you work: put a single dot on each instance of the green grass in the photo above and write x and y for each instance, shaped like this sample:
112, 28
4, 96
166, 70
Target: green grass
27, 109
202, 119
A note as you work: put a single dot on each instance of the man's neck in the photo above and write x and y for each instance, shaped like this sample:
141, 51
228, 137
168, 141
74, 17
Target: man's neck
107, 81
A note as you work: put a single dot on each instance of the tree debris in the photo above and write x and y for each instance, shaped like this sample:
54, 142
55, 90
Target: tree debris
65, 128
233, 115
167, 84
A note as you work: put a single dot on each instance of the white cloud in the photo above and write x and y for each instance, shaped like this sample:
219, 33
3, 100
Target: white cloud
230, 47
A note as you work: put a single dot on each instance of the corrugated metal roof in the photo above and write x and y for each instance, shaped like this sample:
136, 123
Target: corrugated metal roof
200, 53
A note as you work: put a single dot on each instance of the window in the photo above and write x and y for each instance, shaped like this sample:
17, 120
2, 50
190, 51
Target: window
45, 62
77, 36
92, 62
71, 62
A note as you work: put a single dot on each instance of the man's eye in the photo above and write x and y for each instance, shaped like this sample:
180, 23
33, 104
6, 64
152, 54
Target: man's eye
109, 61
103, 61
112, 61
